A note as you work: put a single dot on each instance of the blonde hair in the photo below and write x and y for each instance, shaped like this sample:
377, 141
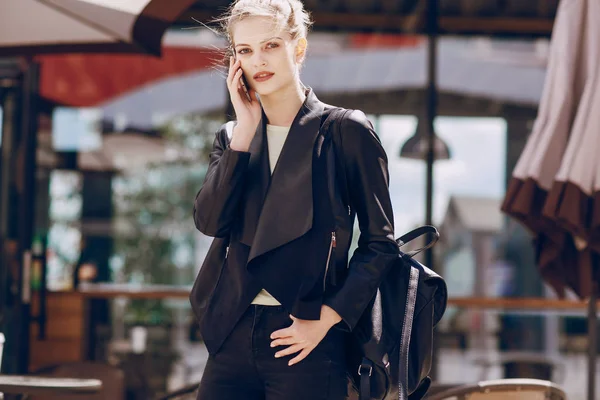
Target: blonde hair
288, 15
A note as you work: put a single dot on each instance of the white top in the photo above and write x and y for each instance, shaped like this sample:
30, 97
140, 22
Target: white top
276, 136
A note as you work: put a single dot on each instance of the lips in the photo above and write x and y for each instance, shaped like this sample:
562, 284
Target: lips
263, 76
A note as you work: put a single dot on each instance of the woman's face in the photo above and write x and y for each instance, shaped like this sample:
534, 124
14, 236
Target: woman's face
268, 55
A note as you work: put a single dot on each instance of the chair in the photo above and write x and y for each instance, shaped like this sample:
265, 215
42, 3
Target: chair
186, 392
523, 365
504, 389
2, 339
113, 380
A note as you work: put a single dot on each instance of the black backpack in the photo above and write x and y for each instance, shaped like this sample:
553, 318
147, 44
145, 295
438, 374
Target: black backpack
389, 353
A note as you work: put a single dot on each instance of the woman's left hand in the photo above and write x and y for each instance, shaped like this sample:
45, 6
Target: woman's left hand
304, 335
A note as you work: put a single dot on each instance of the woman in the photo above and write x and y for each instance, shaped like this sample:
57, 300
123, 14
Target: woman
276, 296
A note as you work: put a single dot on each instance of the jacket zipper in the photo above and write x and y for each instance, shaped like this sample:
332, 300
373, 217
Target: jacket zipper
332, 245
227, 252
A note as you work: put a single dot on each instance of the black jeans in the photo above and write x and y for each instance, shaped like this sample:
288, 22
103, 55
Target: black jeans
245, 368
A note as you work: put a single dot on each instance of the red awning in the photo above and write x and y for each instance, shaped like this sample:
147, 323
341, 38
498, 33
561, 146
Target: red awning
83, 80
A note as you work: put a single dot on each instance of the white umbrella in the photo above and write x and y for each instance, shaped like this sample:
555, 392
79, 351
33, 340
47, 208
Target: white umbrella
571, 201
555, 188
29, 27
535, 172
574, 200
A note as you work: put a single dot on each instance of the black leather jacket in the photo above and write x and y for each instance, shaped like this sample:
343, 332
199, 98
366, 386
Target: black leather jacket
263, 224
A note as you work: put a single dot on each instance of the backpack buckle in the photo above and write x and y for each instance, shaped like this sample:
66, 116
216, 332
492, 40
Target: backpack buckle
360, 369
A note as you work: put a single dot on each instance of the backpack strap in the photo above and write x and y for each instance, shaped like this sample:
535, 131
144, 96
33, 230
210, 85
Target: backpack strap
407, 324
421, 390
365, 370
416, 233
409, 314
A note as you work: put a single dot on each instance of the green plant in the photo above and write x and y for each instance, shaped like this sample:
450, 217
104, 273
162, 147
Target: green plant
155, 235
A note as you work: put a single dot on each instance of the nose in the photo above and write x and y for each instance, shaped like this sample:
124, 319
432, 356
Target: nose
258, 59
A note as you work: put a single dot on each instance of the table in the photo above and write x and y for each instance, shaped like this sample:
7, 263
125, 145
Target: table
133, 291
112, 291
524, 305
21, 384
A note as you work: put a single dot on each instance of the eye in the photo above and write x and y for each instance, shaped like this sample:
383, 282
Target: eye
243, 51
272, 45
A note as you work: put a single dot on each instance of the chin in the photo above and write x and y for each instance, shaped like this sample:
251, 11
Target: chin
265, 93
269, 88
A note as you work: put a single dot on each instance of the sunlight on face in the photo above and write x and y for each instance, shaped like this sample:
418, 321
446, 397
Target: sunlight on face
264, 49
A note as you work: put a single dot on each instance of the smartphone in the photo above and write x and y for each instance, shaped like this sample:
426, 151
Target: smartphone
244, 83
245, 87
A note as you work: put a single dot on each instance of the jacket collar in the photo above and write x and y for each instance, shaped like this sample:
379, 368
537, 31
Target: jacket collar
279, 207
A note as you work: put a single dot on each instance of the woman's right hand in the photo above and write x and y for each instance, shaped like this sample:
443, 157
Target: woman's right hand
248, 113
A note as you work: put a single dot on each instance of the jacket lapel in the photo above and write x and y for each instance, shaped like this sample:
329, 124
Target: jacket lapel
287, 210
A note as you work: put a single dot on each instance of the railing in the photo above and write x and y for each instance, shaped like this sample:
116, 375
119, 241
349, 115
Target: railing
112, 290
522, 304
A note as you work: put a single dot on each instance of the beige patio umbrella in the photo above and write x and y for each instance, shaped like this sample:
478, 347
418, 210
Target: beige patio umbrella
29, 27
536, 171
555, 188
574, 200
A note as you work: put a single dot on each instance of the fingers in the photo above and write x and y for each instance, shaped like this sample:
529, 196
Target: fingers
253, 94
285, 332
303, 354
283, 342
235, 78
234, 68
290, 350
237, 90
282, 333
231, 62
238, 75
229, 77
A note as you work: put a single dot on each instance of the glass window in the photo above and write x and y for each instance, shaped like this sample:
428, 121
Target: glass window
64, 235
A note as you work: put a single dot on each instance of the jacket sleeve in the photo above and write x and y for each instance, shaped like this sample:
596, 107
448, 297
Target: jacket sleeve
216, 203
368, 189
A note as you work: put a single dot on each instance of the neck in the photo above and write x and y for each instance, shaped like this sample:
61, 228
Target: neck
282, 107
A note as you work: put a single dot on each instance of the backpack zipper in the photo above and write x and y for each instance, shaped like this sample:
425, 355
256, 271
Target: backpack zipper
332, 245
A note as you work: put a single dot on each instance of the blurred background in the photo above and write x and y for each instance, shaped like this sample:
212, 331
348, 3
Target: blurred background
104, 145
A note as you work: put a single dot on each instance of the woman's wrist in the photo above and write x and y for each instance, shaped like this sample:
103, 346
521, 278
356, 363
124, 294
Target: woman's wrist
329, 315
241, 138
239, 145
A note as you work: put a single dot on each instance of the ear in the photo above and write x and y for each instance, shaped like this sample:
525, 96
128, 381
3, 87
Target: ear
301, 49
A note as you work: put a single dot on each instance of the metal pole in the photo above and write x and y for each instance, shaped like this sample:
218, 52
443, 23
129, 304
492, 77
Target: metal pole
592, 341
8, 103
430, 114
10, 81
26, 182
